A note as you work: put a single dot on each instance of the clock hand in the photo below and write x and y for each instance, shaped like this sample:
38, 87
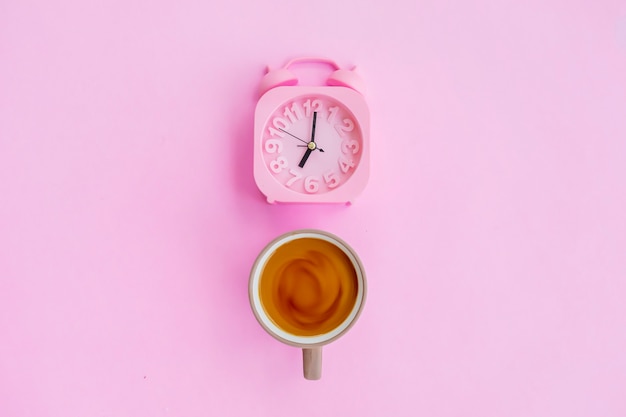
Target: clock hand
313, 129
311, 145
293, 136
305, 157
301, 140
316, 148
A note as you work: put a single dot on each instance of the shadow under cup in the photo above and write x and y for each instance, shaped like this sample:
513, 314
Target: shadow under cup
306, 289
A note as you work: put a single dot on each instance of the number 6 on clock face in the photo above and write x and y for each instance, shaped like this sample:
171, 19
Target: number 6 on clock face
311, 144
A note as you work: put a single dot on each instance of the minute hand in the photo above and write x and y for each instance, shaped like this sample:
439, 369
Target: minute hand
313, 129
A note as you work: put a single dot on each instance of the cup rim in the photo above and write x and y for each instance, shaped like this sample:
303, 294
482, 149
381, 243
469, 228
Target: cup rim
266, 322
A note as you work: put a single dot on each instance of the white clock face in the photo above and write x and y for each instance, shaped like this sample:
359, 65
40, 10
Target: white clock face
312, 144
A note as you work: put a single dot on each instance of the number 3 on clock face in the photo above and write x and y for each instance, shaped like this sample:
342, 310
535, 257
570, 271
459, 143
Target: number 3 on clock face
312, 147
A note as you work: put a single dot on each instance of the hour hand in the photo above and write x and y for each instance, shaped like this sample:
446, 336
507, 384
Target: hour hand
305, 157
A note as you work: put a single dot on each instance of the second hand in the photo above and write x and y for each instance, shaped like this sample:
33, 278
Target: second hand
295, 137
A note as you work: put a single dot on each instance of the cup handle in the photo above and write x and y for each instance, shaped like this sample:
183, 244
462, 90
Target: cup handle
312, 363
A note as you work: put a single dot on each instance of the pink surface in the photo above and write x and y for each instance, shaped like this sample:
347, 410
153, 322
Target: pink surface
493, 228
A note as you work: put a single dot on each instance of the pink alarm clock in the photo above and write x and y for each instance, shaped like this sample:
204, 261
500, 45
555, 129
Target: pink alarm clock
311, 143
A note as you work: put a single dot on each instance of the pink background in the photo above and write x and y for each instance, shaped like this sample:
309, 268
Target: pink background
493, 228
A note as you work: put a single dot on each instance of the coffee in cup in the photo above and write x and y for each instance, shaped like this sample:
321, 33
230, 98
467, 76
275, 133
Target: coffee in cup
307, 288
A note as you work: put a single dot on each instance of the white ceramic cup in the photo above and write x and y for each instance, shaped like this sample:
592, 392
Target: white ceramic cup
311, 345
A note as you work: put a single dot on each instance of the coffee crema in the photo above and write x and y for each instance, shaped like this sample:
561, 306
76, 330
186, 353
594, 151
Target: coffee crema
308, 287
